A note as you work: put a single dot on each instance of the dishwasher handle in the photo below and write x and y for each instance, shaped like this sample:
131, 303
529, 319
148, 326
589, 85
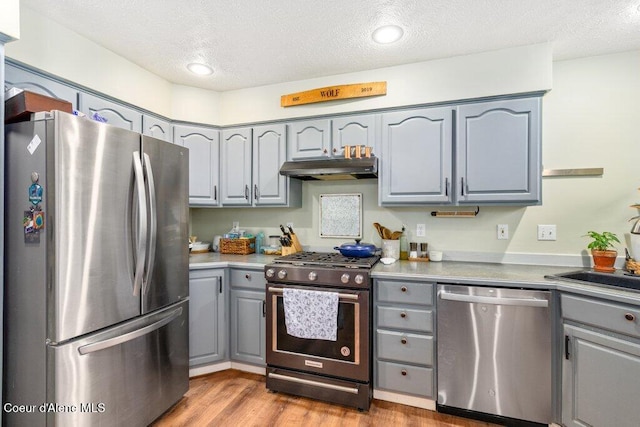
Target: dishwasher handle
523, 302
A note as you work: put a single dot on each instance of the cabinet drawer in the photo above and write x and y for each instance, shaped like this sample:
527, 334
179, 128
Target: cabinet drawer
242, 278
404, 292
619, 318
405, 318
403, 347
404, 378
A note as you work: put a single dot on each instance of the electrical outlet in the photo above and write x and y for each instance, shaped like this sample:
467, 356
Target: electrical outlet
546, 232
236, 225
421, 230
503, 231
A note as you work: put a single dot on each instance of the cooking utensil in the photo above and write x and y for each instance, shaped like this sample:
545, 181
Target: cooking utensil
357, 250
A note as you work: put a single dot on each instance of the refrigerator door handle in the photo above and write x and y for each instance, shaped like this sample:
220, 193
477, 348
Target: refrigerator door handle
525, 302
141, 244
153, 224
111, 342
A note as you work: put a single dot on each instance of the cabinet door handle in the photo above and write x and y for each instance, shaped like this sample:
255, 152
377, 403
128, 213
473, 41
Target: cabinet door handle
567, 343
255, 191
404, 372
462, 186
403, 314
403, 289
630, 317
215, 193
403, 340
246, 192
219, 285
247, 276
446, 186
264, 308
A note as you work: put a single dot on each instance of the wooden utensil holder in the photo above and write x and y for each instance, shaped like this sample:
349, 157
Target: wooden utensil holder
288, 250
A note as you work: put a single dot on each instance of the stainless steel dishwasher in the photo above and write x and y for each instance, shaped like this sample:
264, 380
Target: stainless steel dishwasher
494, 353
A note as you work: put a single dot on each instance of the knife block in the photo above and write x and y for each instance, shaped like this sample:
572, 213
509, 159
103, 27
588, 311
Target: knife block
295, 243
288, 250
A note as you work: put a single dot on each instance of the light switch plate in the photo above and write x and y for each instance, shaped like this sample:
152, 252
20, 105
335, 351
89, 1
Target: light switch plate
547, 232
503, 232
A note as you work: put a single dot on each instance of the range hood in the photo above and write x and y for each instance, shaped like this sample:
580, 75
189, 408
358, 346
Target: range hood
331, 169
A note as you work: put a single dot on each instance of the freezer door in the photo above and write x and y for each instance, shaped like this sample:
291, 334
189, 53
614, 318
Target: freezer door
166, 276
89, 184
125, 376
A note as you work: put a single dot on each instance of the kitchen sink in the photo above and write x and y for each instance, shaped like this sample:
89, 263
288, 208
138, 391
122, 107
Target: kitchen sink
618, 279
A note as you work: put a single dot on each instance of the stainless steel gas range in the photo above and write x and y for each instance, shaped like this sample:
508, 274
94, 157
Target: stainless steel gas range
335, 369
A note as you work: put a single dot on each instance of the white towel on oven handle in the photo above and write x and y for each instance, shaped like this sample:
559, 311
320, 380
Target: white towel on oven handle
311, 314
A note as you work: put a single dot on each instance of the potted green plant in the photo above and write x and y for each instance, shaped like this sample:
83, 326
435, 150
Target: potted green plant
602, 252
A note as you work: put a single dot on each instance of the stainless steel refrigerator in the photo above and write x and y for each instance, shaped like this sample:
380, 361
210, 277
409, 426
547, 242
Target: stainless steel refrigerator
96, 274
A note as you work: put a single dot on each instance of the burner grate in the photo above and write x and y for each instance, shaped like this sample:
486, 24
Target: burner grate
327, 259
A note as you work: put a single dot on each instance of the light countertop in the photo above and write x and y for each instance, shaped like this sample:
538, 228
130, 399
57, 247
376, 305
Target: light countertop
472, 273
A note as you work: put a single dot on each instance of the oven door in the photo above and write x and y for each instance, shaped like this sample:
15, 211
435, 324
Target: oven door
347, 357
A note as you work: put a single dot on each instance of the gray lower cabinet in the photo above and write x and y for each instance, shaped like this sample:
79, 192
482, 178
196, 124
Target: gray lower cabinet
207, 317
204, 156
601, 363
116, 114
416, 157
248, 311
404, 347
498, 152
28, 80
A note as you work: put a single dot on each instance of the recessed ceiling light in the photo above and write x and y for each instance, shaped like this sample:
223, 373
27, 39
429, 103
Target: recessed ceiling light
200, 69
387, 34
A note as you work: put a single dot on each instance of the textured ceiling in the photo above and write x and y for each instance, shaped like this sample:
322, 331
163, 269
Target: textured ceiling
258, 42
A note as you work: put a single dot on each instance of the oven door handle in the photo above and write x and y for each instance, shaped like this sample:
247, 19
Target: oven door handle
353, 297
314, 383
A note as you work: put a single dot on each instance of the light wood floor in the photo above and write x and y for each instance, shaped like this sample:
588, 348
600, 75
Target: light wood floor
235, 398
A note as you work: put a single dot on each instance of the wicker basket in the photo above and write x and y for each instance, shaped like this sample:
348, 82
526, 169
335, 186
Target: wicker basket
238, 246
633, 266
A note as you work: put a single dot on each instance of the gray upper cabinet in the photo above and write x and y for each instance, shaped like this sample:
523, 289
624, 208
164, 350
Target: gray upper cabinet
309, 139
498, 156
354, 130
26, 80
236, 167
116, 114
416, 157
204, 154
269, 153
318, 139
157, 128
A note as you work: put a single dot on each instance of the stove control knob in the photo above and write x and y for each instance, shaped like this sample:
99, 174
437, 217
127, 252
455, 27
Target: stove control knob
313, 276
359, 279
344, 278
282, 274
270, 272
